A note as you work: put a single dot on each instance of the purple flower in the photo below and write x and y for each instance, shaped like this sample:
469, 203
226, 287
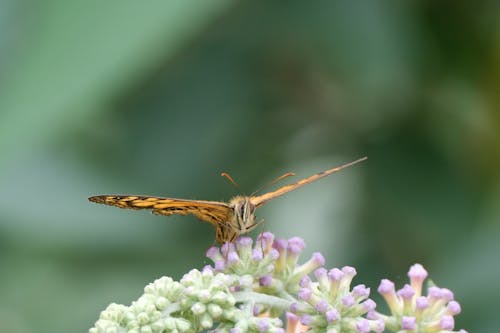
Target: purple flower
363, 326
386, 289
332, 315
274, 254
447, 323
406, 292
417, 275
378, 326
453, 308
422, 303
294, 307
306, 320
232, 258
244, 242
266, 280
295, 245
349, 271
220, 265
257, 255
320, 273
265, 241
408, 323
304, 294
214, 253
263, 325
321, 306
335, 274
360, 291
369, 305
318, 259
348, 301
280, 244
305, 281
430, 313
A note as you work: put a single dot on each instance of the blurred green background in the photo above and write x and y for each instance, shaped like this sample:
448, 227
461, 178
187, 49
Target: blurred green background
159, 97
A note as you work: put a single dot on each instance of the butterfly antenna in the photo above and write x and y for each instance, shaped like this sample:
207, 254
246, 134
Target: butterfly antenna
286, 175
226, 175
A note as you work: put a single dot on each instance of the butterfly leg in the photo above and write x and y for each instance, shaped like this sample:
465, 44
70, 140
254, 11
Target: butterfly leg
253, 226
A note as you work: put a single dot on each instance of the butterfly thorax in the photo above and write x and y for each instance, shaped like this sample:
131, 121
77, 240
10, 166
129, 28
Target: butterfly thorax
241, 220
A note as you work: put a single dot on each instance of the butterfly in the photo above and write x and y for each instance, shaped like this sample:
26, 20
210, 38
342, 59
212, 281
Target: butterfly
230, 219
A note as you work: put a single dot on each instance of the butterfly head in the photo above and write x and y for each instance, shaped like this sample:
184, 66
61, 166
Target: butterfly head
244, 213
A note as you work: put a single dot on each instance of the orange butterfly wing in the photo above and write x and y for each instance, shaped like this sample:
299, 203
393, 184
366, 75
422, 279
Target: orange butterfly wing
214, 212
264, 198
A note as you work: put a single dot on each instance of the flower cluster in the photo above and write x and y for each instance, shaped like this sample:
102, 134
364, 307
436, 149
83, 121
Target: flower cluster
411, 311
270, 266
329, 305
252, 287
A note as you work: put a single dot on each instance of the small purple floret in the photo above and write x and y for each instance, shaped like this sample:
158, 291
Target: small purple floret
349, 271
257, 255
263, 325
291, 316
306, 320
417, 272
227, 247
294, 307
454, 308
232, 258
295, 245
207, 269
369, 305
256, 310
280, 244
422, 302
332, 315
304, 294
335, 274
244, 241
235, 330
274, 254
348, 301
447, 294
363, 326
361, 291
386, 287
305, 281
212, 252
372, 315
447, 323
408, 323
220, 265
320, 273
318, 258
380, 326
267, 237
434, 292
321, 306
266, 280
406, 292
